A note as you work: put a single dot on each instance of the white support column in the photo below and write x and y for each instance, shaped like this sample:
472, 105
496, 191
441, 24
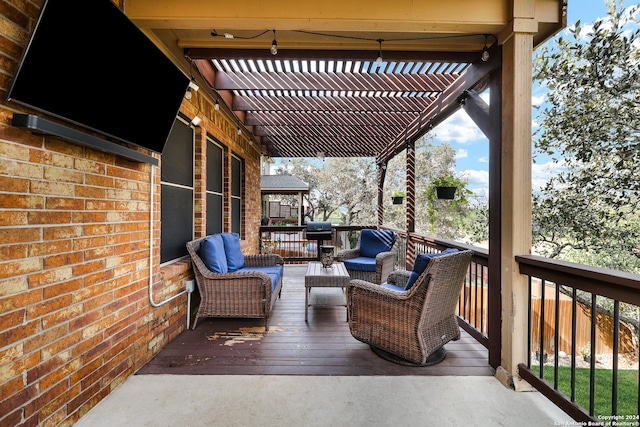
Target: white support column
516, 193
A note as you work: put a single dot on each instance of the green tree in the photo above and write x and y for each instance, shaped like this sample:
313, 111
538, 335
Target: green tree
590, 126
343, 186
348, 187
305, 171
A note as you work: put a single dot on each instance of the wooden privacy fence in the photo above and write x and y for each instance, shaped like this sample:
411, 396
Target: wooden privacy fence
476, 313
604, 327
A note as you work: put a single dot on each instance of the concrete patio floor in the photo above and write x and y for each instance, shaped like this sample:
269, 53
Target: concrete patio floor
277, 400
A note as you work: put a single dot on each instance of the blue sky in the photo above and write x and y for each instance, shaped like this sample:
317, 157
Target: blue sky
470, 144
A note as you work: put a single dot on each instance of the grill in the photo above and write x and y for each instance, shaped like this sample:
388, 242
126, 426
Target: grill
319, 231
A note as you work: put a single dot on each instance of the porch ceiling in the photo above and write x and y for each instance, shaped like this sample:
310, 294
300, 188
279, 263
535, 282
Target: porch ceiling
324, 92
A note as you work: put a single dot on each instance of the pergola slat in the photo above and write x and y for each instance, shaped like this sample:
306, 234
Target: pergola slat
350, 131
348, 103
328, 81
329, 119
343, 146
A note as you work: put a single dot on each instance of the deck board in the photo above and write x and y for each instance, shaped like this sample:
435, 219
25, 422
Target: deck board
321, 346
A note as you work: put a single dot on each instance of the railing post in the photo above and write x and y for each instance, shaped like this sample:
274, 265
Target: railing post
410, 208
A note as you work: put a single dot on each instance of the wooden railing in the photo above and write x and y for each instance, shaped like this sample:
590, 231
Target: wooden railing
560, 317
292, 244
562, 294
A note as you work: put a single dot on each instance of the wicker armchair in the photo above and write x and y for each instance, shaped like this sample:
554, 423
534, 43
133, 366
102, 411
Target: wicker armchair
243, 293
411, 326
384, 262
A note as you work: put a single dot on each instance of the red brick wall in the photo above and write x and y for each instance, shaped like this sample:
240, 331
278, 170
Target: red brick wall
76, 318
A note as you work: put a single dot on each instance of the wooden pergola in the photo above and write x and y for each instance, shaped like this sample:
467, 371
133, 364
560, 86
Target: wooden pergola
326, 92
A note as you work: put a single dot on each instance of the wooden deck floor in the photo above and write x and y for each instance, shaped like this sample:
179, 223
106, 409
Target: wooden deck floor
321, 346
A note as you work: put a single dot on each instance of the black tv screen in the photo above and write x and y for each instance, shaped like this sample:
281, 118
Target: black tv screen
87, 63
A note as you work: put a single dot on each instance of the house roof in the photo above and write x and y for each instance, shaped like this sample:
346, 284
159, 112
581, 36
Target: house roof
279, 184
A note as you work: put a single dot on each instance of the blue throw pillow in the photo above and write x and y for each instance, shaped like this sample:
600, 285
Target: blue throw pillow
412, 279
213, 255
235, 258
420, 264
372, 242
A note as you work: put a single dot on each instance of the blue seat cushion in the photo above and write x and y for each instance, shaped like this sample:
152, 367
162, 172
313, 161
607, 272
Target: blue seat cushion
361, 264
274, 272
393, 287
235, 258
372, 242
420, 264
213, 255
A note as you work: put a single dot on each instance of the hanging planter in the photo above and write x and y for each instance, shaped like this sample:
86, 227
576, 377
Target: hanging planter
447, 193
446, 186
397, 198
446, 196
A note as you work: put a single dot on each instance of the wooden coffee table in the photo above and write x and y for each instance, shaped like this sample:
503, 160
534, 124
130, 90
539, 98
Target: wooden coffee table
335, 276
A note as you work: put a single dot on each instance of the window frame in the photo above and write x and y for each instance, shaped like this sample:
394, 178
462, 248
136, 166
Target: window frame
210, 229
237, 198
164, 185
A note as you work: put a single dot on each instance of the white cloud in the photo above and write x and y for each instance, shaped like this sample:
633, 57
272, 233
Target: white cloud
478, 181
461, 153
458, 128
483, 160
537, 100
476, 177
541, 172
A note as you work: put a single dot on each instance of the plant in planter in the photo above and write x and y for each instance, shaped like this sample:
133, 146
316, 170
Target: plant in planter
436, 206
446, 186
397, 197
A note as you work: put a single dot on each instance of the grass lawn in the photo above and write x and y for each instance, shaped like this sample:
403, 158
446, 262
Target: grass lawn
627, 388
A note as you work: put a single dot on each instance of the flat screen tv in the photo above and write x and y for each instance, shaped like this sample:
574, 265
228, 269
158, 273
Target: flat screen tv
88, 64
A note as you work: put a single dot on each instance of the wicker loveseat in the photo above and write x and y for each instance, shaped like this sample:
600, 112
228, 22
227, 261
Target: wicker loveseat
410, 325
373, 258
232, 284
